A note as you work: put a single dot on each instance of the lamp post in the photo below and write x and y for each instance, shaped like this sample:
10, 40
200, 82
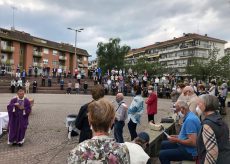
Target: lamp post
75, 46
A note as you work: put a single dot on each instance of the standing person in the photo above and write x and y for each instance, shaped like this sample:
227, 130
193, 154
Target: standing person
69, 86
30, 70
49, 81
213, 139
59, 72
79, 78
3, 69
75, 73
27, 85
12, 85
62, 84
23, 76
85, 86
183, 146
19, 109
35, 84
77, 87
135, 111
43, 80
82, 122
120, 117
35, 71
19, 83
223, 96
151, 102
213, 90
101, 148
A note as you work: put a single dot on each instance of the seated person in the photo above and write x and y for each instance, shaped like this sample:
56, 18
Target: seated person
101, 148
183, 146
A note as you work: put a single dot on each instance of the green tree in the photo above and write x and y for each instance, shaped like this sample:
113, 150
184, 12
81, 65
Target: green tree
204, 68
111, 54
153, 68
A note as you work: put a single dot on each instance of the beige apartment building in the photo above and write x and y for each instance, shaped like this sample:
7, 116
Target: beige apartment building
21, 49
175, 54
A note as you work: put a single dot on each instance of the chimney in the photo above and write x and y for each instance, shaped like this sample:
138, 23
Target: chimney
205, 34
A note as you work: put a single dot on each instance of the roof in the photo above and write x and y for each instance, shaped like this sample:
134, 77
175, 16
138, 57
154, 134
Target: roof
24, 37
186, 37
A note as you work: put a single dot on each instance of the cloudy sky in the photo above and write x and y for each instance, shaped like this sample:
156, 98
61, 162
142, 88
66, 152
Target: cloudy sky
137, 23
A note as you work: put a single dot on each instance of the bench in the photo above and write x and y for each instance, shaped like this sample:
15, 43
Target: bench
156, 138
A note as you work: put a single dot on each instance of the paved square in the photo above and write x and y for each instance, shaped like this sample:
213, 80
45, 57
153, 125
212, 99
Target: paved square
46, 138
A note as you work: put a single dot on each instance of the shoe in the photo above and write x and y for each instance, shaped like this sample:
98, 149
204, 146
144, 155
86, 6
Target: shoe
20, 144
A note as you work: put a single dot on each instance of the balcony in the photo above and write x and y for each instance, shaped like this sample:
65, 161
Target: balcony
37, 64
8, 62
62, 57
37, 53
11, 61
79, 61
7, 48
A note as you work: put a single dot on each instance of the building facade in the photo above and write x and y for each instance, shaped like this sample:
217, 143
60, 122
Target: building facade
93, 64
175, 54
227, 51
20, 49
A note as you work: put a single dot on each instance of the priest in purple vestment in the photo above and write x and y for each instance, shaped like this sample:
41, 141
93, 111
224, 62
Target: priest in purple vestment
19, 109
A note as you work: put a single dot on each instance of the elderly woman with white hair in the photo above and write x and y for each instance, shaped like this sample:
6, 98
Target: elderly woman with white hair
213, 139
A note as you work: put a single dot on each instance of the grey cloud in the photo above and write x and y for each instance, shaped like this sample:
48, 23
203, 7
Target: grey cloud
131, 20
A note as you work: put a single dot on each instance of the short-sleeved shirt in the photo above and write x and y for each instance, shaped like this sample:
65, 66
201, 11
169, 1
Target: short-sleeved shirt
191, 125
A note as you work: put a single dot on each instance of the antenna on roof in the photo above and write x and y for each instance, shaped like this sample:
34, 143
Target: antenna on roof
13, 8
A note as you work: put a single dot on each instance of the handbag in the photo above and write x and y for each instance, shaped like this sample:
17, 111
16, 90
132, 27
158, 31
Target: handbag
167, 120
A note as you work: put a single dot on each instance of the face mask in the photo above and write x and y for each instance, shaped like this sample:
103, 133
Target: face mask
181, 114
178, 90
150, 91
198, 110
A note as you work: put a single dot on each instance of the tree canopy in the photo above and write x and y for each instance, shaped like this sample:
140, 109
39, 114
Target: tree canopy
111, 54
211, 68
153, 68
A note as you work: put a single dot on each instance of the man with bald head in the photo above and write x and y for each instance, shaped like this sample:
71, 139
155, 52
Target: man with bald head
189, 96
121, 115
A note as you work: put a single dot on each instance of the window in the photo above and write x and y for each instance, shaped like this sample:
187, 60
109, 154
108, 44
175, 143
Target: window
55, 63
45, 50
55, 52
85, 58
45, 61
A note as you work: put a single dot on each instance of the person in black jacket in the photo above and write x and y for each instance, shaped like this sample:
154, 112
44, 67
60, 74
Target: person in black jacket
82, 119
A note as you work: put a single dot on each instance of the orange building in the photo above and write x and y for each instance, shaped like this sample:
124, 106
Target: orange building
21, 49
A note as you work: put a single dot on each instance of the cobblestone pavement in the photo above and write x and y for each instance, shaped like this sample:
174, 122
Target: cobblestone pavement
46, 137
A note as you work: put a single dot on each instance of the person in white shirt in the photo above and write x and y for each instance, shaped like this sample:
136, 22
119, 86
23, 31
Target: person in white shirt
27, 85
77, 86
136, 149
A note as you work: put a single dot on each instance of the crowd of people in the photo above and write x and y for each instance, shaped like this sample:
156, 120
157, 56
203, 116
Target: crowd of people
74, 81
203, 136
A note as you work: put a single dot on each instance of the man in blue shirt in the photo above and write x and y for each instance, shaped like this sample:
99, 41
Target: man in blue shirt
183, 146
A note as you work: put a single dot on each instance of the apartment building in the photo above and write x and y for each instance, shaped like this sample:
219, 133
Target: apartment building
175, 54
227, 51
21, 49
93, 64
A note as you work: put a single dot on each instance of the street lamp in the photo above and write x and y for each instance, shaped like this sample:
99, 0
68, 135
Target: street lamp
75, 47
